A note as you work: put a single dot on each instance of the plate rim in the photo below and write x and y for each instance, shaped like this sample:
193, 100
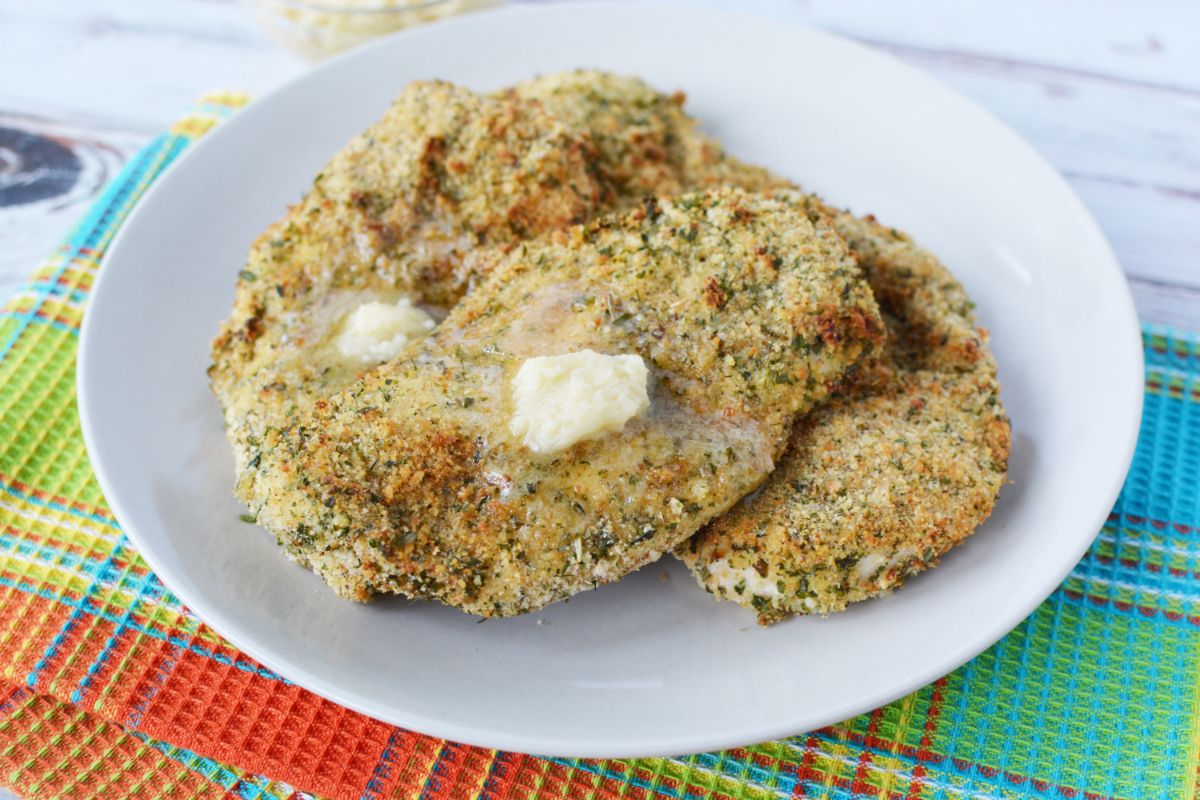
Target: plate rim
228, 627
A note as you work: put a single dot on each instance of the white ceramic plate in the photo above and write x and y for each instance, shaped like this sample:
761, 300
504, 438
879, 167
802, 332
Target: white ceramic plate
648, 665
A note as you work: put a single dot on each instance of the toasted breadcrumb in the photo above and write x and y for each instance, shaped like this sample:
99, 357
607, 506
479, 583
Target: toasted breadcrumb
880, 482
409, 481
446, 172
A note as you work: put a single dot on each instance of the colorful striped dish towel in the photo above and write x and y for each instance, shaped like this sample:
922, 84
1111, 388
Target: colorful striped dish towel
110, 688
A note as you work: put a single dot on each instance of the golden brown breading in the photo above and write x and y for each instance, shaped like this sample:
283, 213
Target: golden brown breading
880, 482
647, 145
404, 208
395, 213
746, 309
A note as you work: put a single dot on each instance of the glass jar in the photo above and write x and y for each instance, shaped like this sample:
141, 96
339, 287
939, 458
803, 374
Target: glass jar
323, 27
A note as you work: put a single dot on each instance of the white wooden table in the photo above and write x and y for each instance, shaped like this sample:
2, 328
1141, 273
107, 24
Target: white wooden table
1107, 90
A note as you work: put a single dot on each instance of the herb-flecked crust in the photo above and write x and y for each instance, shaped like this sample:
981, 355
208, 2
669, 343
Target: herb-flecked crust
645, 143
748, 310
881, 481
409, 206
444, 173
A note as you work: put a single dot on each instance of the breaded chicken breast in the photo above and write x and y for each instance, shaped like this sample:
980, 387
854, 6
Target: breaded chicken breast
393, 216
744, 310
404, 211
882, 480
647, 145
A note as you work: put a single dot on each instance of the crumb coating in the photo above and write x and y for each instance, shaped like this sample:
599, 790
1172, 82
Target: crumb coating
881, 481
747, 309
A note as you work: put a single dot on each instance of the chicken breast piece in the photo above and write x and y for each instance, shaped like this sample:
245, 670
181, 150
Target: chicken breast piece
746, 310
392, 216
881, 481
646, 144
403, 211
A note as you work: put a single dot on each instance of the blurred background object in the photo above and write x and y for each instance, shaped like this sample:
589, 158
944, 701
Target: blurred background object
322, 28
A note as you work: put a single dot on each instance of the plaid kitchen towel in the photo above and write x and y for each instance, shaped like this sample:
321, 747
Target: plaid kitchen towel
109, 687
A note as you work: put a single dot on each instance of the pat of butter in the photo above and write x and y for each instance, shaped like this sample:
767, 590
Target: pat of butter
561, 400
375, 332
